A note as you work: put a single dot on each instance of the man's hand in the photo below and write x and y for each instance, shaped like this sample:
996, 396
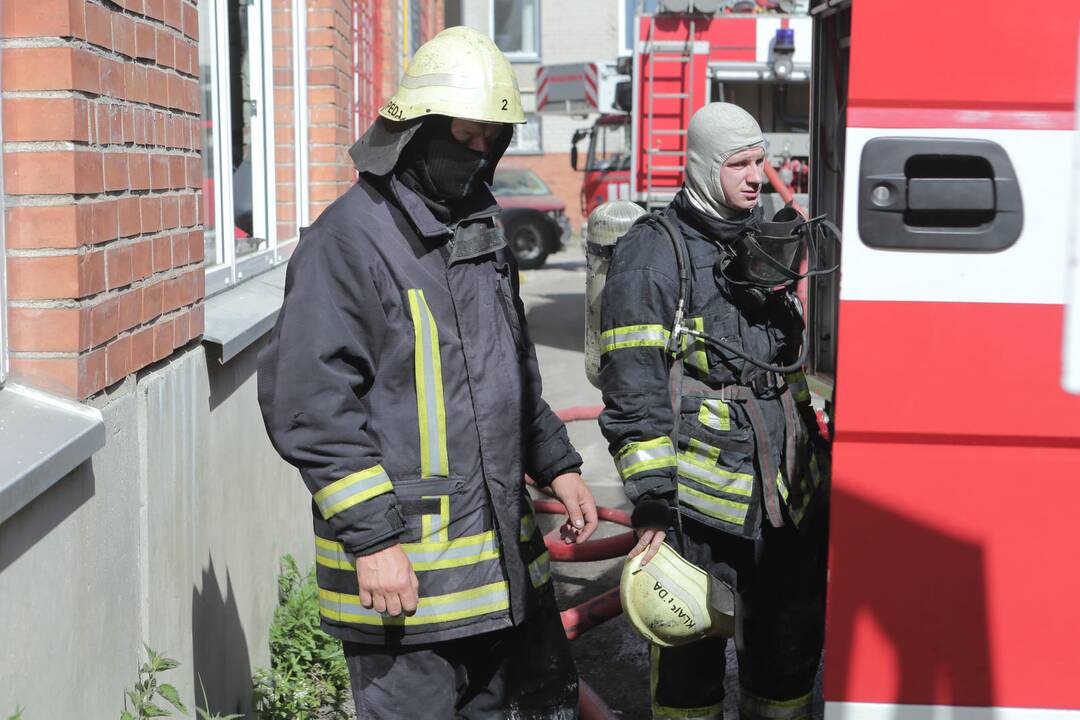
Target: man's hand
580, 506
387, 582
649, 540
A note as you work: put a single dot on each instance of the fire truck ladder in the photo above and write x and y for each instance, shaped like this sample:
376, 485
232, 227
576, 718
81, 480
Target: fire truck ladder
684, 55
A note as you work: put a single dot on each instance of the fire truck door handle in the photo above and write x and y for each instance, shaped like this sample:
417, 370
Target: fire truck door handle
938, 194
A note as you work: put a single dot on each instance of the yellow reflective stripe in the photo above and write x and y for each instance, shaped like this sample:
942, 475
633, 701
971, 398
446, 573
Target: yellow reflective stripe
781, 485
352, 489
430, 405
720, 508
714, 413
711, 475
436, 528
704, 451
528, 525
709, 712
486, 599
467, 550
331, 554
755, 706
638, 457
633, 336
540, 570
694, 350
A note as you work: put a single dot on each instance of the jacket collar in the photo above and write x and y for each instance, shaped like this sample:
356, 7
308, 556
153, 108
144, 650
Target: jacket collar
710, 227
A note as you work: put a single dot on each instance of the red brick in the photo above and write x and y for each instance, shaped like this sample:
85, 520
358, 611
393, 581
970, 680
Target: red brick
127, 122
200, 285
194, 97
145, 41
184, 54
116, 171
160, 123
174, 17
191, 21
162, 253
48, 329
130, 216
104, 321
48, 173
157, 87
31, 119
166, 47
177, 164
118, 267
196, 248
181, 329
135, 6
154, 9
197, 321
98, 26
142, 125
135, 83
42, 18
150, 208
117, 360
174, 294
139, 170
55, 277
55, 226
123, 31
180, 249
187, 210
50, 68
105, 219
170, 212
177, 91
130, 309
74, 377
152, 298
163, 340
142, 260
191, 286
112, 79
142, 349
159, 171
194, 172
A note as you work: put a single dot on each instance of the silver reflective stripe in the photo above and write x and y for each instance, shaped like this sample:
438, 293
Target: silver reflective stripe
483, 600
352, 489
540, 569
752, 706
633, 336
719, 508
454, 80
454, 553
716, 478
645, 456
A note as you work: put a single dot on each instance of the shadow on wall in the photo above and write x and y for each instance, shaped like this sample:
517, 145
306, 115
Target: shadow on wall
219, 647
559, 322
43, 514
880, 646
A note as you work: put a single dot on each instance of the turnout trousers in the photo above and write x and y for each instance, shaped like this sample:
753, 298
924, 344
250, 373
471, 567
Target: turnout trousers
524, 673
780, 624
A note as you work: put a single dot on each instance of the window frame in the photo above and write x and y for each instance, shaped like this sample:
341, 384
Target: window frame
531, 117
3, 260
229, 270
518, 56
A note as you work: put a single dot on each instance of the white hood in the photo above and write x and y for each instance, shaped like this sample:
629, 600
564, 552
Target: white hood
717, 131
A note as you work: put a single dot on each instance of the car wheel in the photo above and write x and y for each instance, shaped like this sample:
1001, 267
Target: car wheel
528, 242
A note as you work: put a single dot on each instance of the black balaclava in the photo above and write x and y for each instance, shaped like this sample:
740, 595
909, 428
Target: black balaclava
439, 169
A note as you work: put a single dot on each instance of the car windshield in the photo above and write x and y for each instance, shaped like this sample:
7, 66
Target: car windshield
518, 182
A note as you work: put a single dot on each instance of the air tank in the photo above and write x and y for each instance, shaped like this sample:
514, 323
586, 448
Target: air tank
607, 223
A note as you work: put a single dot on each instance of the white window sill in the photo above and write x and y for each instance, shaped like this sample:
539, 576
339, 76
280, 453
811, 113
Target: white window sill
237, 317
42, 439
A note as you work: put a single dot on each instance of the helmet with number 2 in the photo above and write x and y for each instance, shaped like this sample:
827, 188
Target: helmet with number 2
458, 73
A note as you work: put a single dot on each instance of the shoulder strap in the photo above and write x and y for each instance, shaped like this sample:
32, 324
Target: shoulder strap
682, 261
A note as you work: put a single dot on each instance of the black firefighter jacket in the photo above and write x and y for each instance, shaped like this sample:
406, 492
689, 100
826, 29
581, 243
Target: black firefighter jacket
401, 381
741, 452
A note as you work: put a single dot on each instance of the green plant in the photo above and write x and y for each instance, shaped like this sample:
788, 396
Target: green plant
18, 713
307, 673
148, 688
205, 714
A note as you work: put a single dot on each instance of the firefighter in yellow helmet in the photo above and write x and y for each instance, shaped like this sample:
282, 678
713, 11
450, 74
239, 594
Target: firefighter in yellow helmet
401, 380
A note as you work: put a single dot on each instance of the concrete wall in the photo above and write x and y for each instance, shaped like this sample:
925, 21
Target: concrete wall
170, 535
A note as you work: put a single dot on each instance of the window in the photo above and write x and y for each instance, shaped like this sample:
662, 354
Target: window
245, 186
516, 181
527, 137
515, 27
610, 147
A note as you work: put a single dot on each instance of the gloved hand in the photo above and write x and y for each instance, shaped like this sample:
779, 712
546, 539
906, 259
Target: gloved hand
653, 517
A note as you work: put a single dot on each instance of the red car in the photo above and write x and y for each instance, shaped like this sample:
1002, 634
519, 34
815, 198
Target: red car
533, 219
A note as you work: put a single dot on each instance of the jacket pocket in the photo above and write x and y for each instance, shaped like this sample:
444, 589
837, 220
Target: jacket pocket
504, 300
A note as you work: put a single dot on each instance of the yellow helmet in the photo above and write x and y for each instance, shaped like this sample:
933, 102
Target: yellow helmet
670, 601
459, 73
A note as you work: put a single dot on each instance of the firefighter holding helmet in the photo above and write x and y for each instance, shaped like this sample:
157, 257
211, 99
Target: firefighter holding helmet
401, 380
727, 479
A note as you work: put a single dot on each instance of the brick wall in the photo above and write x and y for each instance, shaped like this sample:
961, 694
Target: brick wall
564, 181
102, 170
330, 91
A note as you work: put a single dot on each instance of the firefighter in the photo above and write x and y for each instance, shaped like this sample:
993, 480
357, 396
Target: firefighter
401, 380
730, 478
